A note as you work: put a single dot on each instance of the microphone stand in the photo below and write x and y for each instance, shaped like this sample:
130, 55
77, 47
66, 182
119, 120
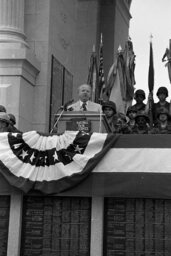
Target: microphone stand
64, 108
56, 122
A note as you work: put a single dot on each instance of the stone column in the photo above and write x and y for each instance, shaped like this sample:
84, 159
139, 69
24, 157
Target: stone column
12, 21
18, 64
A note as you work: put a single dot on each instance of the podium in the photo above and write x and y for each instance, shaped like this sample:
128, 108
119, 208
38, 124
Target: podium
87, 121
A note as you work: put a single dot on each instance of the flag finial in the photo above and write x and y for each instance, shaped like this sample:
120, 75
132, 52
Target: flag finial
119, 49
101, 39
151, 37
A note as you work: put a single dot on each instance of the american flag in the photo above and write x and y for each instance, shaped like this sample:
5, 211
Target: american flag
93, 80
101, 72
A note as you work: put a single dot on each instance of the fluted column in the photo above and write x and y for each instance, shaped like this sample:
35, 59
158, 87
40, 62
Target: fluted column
12, 21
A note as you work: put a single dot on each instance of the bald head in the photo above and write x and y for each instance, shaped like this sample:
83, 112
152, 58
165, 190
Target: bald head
84, 92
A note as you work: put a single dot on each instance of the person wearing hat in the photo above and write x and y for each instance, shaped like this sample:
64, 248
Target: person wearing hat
131, 114
162, 94
12, 127
141, 123
4, 122
109, 109
2, 109
162, 126
139, 97
121, 123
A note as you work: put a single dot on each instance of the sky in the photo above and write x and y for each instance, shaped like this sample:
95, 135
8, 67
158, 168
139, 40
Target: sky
150, 17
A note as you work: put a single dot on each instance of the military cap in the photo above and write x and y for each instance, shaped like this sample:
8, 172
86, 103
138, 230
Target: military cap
142, 114
131, 109
110, 104
139, 92
12, 118
4, 117
2, 109
162, 89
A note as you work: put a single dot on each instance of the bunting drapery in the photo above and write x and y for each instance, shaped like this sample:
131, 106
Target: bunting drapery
88, 164
50, 164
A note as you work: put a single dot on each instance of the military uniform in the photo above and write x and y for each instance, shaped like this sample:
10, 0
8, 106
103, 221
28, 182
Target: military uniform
162, 127
139, 106
4, 122
143, 127
157, 106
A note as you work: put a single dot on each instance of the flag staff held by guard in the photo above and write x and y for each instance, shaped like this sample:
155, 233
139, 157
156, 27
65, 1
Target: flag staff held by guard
102, 85
151, 82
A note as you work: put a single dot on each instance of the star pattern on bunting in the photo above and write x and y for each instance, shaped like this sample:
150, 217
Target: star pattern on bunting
24, 154
78, 149
32, 157
15, 134
17, 145
55, 156
50, 156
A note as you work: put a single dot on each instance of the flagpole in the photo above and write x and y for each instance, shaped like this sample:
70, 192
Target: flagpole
151, 82
101, 87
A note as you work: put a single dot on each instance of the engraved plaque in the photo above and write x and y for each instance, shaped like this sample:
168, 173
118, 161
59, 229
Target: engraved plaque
137, 227
4, 223
56, 226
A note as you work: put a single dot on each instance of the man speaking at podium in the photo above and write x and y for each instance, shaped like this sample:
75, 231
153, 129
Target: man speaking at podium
84, 103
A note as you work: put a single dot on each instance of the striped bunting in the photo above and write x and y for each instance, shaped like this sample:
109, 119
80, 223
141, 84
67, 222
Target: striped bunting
137, 166
109, 165
50, 164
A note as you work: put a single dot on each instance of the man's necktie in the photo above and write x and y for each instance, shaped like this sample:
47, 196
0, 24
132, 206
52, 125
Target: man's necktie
84, 106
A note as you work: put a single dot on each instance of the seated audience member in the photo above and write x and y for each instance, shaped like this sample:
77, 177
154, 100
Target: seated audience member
162, 126
2, 109
84, 103
139, 97
4, 122
12, 127
141, 124
162, 94
109, 109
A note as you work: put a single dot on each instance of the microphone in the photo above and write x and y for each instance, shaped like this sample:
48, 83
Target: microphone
67, 104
